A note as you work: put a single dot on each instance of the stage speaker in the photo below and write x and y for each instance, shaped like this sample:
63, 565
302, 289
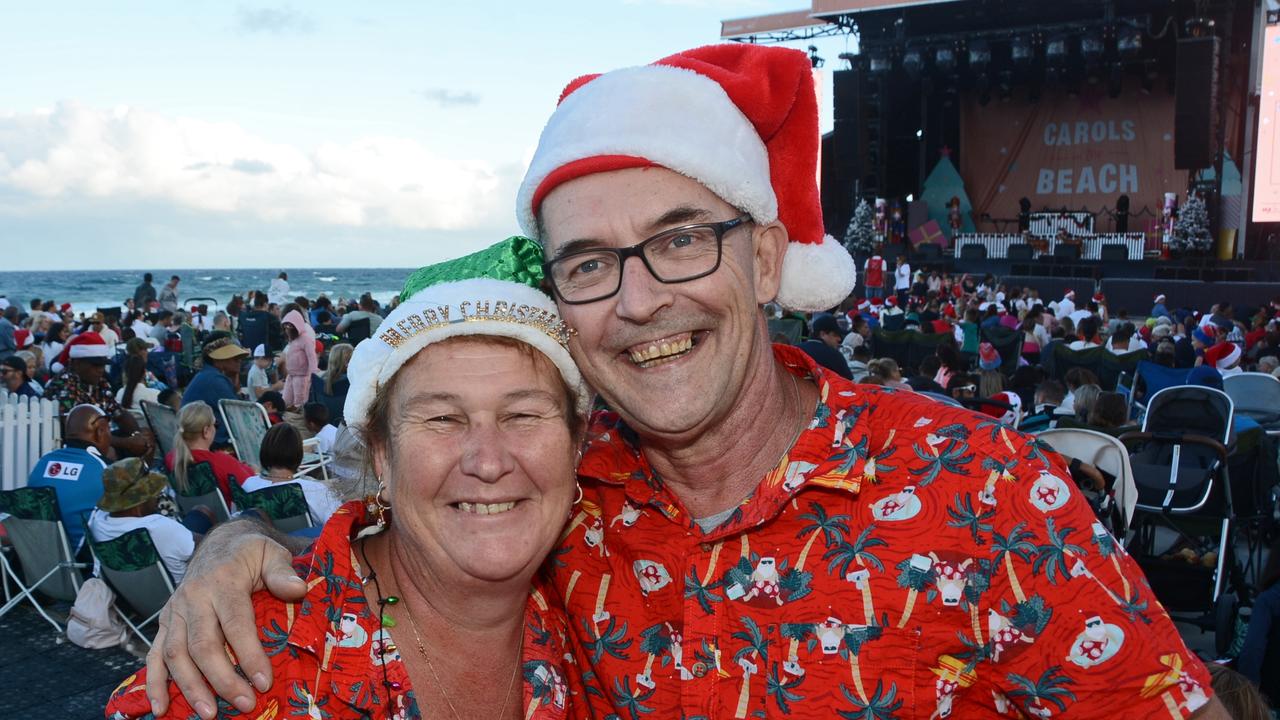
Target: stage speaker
1195, 115
844, 95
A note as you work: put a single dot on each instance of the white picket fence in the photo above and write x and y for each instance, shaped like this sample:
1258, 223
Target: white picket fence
29, 428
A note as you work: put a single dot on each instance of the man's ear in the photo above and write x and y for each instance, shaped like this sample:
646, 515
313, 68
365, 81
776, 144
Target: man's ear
770, 246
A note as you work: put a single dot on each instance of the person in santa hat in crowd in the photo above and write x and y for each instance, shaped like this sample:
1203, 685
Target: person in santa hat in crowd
1158, 309
1224, 357
1067, 305
672, 201
873, 272
84, 382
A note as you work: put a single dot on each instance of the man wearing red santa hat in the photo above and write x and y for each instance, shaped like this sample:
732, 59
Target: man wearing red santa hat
84, 382
673, 200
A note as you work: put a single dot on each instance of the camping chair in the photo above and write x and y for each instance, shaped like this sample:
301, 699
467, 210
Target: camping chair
358, 331
247, 423
939, 397
1150, 378
163, 421
131, 565
202, 489
314, 459
285, 504
31, 520
1109, 455
1256, 395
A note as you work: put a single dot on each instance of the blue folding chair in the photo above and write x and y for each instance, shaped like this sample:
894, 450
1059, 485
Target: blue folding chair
1152, 378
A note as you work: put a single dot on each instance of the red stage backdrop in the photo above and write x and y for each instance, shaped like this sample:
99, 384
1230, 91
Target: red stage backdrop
1074, 152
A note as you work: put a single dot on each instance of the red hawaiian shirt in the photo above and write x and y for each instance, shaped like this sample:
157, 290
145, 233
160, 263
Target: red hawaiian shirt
905, 559
331, 658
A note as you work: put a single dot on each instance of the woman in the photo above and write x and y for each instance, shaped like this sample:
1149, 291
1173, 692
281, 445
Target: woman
952, 365
299, 359
1110, 413
53, 343
886, 372
196, 431
1030, 340
280, 455
472, 429
330, 388
1125, 341
134, 391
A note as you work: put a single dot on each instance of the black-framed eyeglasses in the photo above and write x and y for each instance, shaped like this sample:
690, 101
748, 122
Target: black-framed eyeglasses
677, 255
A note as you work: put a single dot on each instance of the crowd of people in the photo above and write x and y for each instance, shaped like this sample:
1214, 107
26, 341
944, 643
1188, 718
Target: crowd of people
100, 369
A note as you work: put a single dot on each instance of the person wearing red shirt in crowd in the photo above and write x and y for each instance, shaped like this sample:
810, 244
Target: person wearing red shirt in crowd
873, 276
196, 431
758, 536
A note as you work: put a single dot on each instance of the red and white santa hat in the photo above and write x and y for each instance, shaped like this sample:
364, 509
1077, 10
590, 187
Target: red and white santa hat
85, 346
891, 301
740, 119
1069, 293
1223, 355
22, 338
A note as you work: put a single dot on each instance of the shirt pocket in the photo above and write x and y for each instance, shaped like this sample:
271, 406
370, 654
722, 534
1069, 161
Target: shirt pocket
848, 667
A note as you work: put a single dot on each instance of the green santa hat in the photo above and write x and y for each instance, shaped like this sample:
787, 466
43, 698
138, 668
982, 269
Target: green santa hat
491, 292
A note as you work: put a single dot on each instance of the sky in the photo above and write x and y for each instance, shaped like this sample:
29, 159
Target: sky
317, 134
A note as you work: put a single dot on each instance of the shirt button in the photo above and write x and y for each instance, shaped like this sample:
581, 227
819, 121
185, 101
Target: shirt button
706, 547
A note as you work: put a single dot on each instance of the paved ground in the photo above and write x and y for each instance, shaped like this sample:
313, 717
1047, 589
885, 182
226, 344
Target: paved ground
48, 678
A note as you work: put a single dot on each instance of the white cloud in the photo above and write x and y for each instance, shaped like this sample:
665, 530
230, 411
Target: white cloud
53, 160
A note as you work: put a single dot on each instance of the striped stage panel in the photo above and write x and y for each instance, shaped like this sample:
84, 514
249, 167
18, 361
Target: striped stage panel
997, 245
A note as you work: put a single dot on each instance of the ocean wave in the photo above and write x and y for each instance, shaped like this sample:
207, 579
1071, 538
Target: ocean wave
327, 278
205, 278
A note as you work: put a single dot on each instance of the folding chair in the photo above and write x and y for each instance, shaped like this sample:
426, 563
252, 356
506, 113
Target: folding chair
1256, 395
358, 331
285, 504
31, 520
313, 458
1150, 378
1107, 454
939, 397
163, 421
247, 424
202, 489
131, 565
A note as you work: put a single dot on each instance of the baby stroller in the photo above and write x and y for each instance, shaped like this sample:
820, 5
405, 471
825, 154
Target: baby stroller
1185, 524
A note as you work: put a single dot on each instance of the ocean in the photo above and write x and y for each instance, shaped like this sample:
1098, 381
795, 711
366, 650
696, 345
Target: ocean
87, 290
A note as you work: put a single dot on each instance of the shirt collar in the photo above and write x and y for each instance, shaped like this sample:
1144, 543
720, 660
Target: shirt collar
830, 453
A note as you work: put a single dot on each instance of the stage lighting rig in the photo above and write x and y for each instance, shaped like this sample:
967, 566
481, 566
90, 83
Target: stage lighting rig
1055, 51
1022, 51
1091, 48
944, 58
879, 63
848, 58
1128, 41
913, 62
979, 55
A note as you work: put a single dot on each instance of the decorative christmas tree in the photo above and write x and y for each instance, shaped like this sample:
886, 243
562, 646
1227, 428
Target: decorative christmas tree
1191, 231
943, 184
860, 237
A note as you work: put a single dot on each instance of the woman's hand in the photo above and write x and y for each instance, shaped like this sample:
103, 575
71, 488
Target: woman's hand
212, 608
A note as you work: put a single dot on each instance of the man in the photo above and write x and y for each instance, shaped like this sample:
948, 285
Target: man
98, 324
144, 294
1225, 358
8, 326
14, 377
367, 311
278, 293
130, 499
161, 328
824, 343
74, 471
219, 379
261, 327
1066, 305
873, 276
169, 295
902, 280
728, 458
1049, 395
84, 382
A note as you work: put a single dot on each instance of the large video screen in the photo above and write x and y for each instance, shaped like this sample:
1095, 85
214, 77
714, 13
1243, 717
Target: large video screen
1266, 183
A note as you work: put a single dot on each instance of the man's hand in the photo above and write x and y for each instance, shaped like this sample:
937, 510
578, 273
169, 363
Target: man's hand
212, 607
